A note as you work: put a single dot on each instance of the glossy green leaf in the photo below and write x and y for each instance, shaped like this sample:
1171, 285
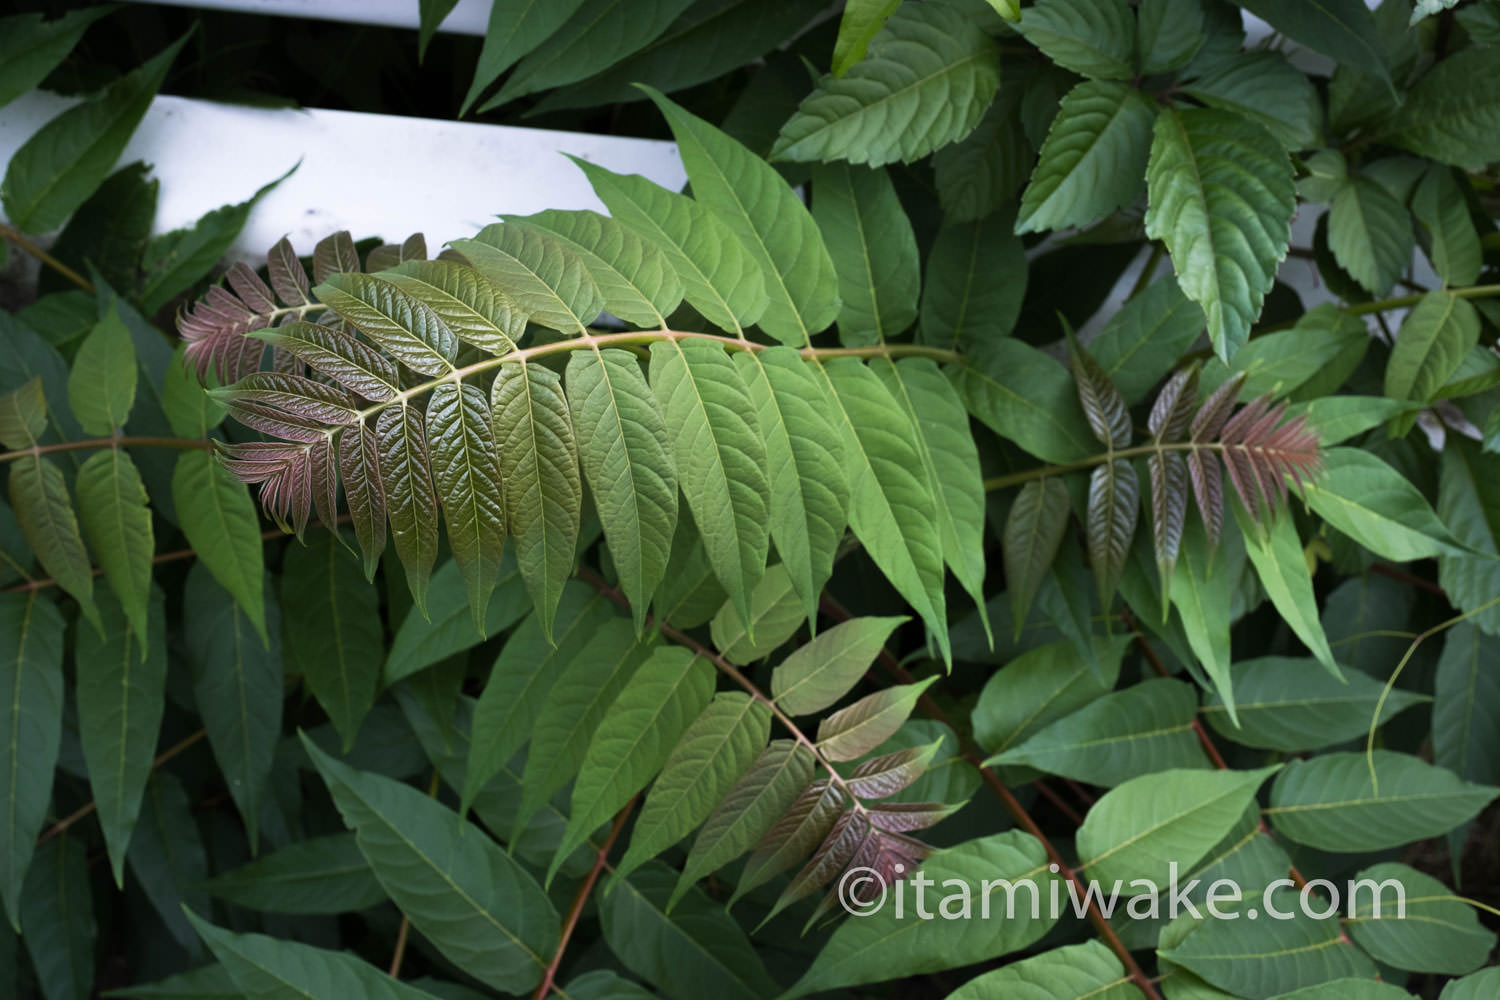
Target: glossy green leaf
627, 459
423, 640
860, 22
776, 613
117, 523
1202, 589
1468, 504
473, 307
478, 907
1466, 708
1139, 344
822, 671
1094, 38
1474, 987
1094, 159
218, 517
1440, 206
23, 415
314, 876
43, 509
983, 172
1221, 198
410, 495
31, 675
764, 213
1168, 34
716, 749
1330, 802
466, 472
925, 81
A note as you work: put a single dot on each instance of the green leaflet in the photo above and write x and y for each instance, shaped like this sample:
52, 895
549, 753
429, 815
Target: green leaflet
776, 612
720, 457
720, 278
320, 875
406, 327
547, 279
892, 509
1076, 972
237, 684
1113, 509
768, 218
1466, 705
218, 517
1042, 685
482, 910
112, 508
1430, 346
364, 493
208, 982
522, 676
332, 631
697, 951
1453, 243
31, 675
167, 857
539, 474
748, 810
951, 460
448, 628
715, 750
1370, 234
352, 364
1288, 704
689, 594
265, 968
1136, 829
1025, 396
1467, 504
1221, 197
860, 22
56, 169
569, 717
809, 498
410, 495
634, 739
853, 732
33, 47
23, 415
627, 459
874, 251
1094, 38
1342, 29
1094, 159
601, 984
1372, 503
982, 173
976, 281
1120, 736
57, 918
39, 498
927, 78
1203, 585
1136, 344
1275, 550
101, 384
1033, 531
467, 302
514, 30
1269, 957
121, 678
823, 670
1438, 932
634, 276
466, 472
1330, 802
885, 946
1282, 362
1339, 418
1450, 115
1264, 87
1168, 34
1474, 987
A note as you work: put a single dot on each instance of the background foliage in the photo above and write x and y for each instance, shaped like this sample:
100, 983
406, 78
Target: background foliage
652, 570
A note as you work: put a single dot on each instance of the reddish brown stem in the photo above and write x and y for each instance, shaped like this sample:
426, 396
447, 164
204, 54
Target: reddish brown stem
182, 444
87, 810
580, 898
1405, 577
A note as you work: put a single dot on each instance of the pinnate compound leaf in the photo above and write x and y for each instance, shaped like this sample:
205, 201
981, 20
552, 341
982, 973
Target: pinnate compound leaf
627, 459
720, 457
1287, 704
926, 80
332, 630
407, 328
892, 509
823, 670
539, 474
1330, 802
1137, 829
410, 496
218, 517
809, 498
1075, 972
44, 511
718, 747
478, 907
720, 278
766, 215
874, 251
884, 946
121, 677
1094, 159
635, 738
1033, 531
1221, 195
265, 968
101, 384
467, 302
320, 875
31, 675
1434, 932
854, 731
237, 684
112, 508
1094, 38
466, 473
764, 793
541, 272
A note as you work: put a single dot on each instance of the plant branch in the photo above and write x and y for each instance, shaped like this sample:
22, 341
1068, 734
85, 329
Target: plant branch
1138, 451
15, 236
580, 898
183, 444
85, 811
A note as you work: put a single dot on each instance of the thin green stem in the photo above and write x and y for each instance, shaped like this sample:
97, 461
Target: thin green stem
15, 236
1140, 450
183, 444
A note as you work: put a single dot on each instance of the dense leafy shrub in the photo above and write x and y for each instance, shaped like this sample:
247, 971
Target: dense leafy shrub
665, 583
